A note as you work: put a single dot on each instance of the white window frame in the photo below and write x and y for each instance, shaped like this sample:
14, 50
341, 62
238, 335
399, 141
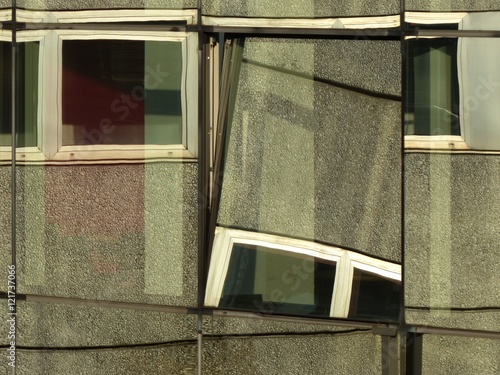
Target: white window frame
434, 142
34, 153
365, 22
49, 122
441, 143
346, 260
189, 16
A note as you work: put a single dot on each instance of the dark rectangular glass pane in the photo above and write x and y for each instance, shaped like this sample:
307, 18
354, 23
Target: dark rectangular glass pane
433, 92
122, 92
27, 93
374, 297
275, 281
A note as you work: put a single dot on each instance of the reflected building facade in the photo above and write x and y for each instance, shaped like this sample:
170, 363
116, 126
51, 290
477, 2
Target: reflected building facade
204, 187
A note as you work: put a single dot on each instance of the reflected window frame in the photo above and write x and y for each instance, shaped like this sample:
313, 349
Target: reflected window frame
439, 142
29, 152
474, 137
49, 148
347, 262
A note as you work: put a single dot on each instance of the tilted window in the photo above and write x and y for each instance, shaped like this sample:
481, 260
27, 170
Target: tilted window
278, 275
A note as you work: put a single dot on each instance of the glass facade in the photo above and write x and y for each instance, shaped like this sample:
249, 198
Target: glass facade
210, 187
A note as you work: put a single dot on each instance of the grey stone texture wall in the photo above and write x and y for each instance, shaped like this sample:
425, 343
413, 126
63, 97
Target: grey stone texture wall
452, 5
314, 144
110, 232
55, 325
357, 353
449, 355
295, 8
168, 359
104, 4
5, 222
453, 239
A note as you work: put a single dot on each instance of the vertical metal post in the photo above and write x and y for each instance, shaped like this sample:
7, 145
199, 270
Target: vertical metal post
390, 355
14, 106
390, 350
414, 347
402, 315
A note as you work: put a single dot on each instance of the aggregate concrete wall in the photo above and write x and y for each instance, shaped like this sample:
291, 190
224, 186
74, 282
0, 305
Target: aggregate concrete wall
453, 240
111, 232
358, 353
104, 4
449, 355
314, 144
295, 8
447, 5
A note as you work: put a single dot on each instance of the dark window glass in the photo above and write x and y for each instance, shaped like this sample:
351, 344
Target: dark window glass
433, 95
374, 297
27, 93
276, 281
122, 92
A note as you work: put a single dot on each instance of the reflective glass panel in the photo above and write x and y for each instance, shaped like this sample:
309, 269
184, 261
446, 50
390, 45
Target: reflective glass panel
374, 296
104, 5
432, 101
297, 8
27, 92
451, 5
95, 218
452, 240
449, 355
314, 143
274, 281
294, 354
122, 92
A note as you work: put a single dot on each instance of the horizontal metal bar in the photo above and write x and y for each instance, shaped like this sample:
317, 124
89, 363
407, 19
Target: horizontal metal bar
105, 304
453, 33
454, 332
301, 320
393, 34
119, 26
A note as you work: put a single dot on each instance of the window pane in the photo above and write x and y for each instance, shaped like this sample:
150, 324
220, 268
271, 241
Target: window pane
374, 297
433, 104
27, 91
273, 281
122, 92
314, 141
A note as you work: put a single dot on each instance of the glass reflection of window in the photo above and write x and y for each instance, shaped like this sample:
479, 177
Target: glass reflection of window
122, 92
374, 296
270, 274
269, 280
27, 91
433, 95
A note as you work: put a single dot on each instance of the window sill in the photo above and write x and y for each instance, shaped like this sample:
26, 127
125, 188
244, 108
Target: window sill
114, 15
112, 155
441, 144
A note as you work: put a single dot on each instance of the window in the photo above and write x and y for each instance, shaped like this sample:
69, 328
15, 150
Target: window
278, 275
122, 97
122, 92
432, 101
27, 94
432, 112
271, 280
452, 85
103, 96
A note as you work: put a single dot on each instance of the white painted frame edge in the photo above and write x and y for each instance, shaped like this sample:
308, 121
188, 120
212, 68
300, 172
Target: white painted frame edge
106, 15
372, 22
346, 261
